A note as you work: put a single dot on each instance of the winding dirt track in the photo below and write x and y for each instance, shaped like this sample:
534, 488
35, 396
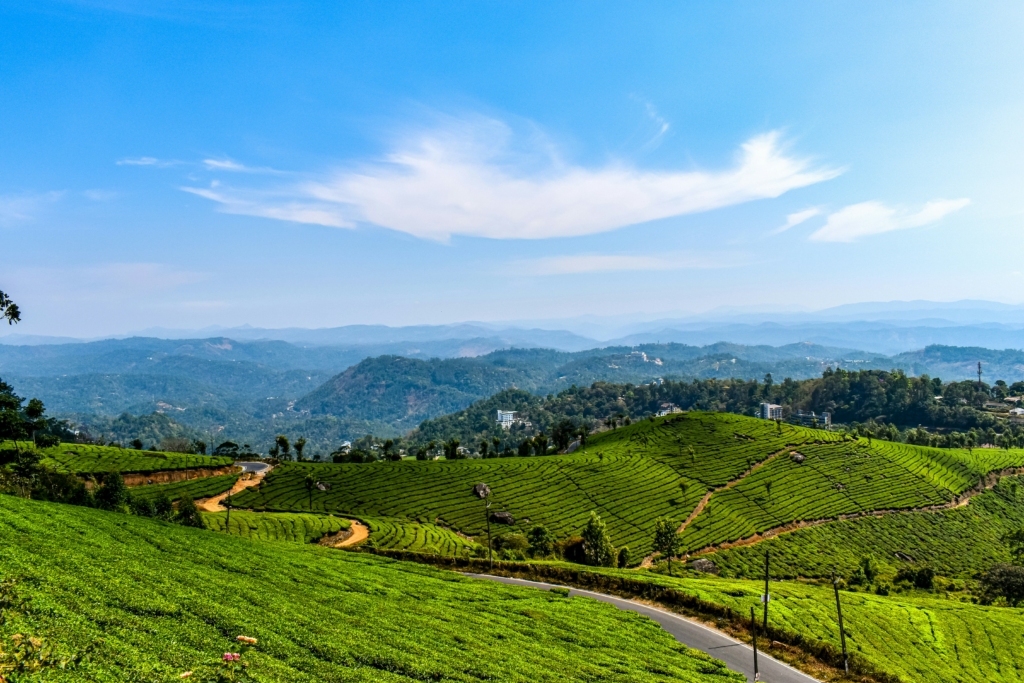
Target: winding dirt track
214, 504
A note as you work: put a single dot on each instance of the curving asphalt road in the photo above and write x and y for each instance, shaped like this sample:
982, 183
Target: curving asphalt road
736, 655
256, 467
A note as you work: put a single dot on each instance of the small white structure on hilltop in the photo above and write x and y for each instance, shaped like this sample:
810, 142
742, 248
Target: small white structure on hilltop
668, 409
770, 411
506, 418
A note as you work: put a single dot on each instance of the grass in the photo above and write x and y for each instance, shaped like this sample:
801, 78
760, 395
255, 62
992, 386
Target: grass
152, 600
203, 487
276, 526
89, 459
660, 468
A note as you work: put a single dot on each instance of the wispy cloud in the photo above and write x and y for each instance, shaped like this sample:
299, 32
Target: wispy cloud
234, 166
795, 219
147, 161
23, 207
100, 195
873, 218
606, 263
467, 181
661, 124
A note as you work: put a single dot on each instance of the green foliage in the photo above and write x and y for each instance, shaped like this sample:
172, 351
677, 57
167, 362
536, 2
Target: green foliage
188, 514
541, 540
402, 534
275, 526
666, 540
112, 494
597, 547
158, 599
1004, 581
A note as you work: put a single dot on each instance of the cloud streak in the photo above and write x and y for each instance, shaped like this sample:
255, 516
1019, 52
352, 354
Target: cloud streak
874, 218
467, 181
18, 208
795, 219
576, 264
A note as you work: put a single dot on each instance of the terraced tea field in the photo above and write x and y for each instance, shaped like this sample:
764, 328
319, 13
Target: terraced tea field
88, 459
276, 526
399, 534
197, 488
955, 543
152, 600
660, 468
921, 637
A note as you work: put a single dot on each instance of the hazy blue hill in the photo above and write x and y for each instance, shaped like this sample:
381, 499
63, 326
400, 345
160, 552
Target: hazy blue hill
957, 363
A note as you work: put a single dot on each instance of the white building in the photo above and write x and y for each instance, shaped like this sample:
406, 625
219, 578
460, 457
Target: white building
506, 418
668, 409
770, 411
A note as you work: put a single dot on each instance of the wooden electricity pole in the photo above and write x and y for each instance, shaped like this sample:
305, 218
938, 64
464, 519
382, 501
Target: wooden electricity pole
842, 633
753, 633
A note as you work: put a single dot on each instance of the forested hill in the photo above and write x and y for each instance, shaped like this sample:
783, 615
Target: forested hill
886, 403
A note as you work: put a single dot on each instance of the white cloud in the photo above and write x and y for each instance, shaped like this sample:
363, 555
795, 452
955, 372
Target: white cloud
16, 208
795, 219
234, 166
466, 181
873, 218
142, 161
606, 263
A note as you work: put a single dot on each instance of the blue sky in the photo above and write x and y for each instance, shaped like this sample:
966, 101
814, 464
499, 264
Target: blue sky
286, 164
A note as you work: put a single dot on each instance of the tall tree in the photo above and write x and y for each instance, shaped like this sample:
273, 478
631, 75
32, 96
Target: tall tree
666, 540
300, 445
597, 547
283, 447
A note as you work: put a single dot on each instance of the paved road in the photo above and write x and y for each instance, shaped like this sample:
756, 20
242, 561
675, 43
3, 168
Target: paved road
256, 467
736, 655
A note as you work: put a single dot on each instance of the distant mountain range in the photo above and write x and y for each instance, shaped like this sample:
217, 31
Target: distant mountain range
249, 391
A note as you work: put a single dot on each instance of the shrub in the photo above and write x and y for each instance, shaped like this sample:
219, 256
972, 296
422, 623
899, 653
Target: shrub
188, 513
571, 549
113, 494
513, 542
541, 541
143, 507
163, 506
623, 560
1004, 581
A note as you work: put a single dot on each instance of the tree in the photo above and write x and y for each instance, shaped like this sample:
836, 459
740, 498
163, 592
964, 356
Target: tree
540, 444
869, 568
188, 513
563, 433
300, 445
451, 450
164, 506
227, 448
1016, 542
666, 540
623, 557
310, 482
484, 447
137, 444
541, 541
597, 547
200, 447
283, 447
9, 310
1004, 581
582, 433
524, 448
113, 494
386, 450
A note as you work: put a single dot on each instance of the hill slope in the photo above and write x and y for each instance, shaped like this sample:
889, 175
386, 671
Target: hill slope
153, 600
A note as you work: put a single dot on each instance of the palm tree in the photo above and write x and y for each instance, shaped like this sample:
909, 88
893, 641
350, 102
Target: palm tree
310, 482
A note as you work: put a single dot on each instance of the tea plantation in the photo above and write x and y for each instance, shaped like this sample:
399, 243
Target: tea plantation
149, 601
955, 543
399, 534
196, 488
89, 459
276, 526
919, 636
761, 476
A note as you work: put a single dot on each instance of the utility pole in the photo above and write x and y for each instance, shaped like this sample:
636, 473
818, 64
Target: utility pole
753, 633
842, 633
490, 552
979, 374
227, 522
766, 597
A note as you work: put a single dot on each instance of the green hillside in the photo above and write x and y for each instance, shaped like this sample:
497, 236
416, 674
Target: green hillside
90, 459
956, 543
920, 636
148, 601
272, 526
633, 475
195, 488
